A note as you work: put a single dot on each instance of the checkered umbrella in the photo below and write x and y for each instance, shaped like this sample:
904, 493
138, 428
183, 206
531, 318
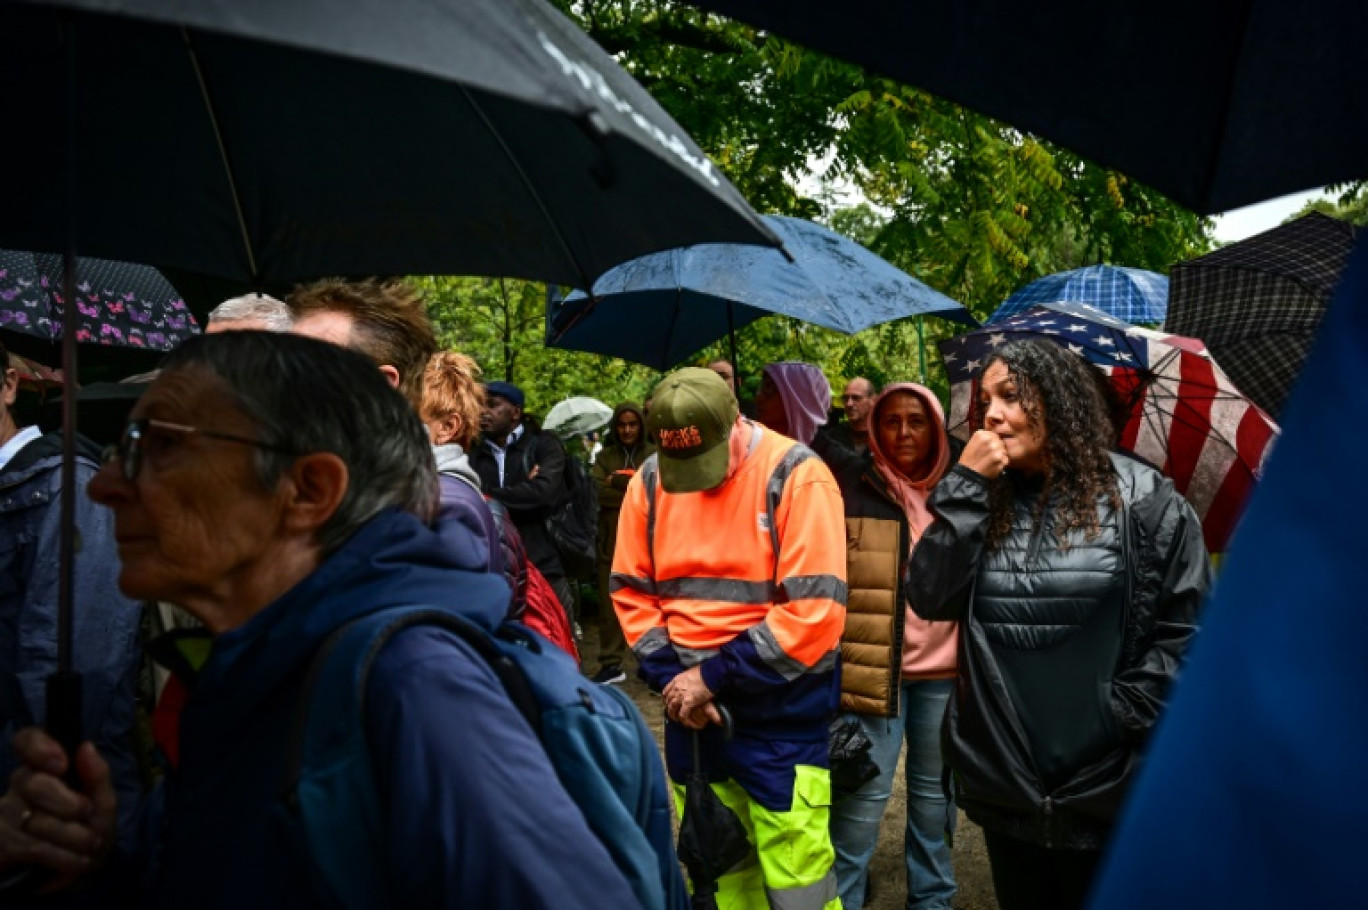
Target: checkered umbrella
1178, 410
1133, 295
1256, 304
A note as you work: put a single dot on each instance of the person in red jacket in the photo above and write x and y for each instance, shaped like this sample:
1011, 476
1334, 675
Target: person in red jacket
729, 581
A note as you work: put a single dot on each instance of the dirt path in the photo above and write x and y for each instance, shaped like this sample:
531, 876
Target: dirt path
971, 858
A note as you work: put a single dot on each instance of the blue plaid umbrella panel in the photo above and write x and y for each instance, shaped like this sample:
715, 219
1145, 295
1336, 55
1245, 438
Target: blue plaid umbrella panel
1136, 296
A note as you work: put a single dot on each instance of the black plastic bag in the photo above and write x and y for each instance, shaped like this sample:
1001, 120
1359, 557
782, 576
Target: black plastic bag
851, 766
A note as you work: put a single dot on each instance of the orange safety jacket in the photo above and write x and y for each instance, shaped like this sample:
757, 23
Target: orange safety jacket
747, 579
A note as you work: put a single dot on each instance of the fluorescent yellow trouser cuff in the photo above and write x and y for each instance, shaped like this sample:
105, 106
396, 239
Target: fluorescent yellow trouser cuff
790, 867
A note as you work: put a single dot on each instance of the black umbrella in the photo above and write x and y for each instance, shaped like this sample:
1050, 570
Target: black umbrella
711, 838
267, 140
1257, 303
1216, 103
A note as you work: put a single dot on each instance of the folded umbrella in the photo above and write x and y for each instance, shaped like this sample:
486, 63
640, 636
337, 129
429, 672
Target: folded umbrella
712, 839
1175, 408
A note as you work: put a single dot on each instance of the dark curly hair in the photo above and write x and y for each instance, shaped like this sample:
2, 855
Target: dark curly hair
1060, 390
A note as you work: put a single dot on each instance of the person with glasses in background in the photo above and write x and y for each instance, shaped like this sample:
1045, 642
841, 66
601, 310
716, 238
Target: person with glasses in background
105, 643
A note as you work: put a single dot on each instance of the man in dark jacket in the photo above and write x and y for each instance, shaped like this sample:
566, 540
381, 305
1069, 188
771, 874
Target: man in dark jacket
105, 636
524, 469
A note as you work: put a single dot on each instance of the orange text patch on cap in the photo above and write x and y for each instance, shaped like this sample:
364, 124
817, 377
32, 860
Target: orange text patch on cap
682, 438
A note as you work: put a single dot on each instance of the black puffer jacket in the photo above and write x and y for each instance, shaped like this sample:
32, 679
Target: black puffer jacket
1065, 656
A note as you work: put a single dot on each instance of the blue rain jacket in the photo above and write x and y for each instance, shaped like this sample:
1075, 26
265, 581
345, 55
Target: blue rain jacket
473, 812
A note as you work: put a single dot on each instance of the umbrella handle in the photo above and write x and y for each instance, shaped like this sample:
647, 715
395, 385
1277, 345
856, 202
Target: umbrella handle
727, 730
64, 717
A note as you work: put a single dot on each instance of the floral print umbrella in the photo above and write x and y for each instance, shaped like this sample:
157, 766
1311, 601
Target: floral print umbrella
120, 304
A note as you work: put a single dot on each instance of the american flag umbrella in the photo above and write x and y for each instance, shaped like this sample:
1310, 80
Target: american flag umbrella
1133, 295
1180, 412
1257, 303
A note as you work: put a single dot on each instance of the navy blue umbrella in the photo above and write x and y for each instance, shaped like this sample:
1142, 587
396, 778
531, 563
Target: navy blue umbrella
660, 309
1131, 295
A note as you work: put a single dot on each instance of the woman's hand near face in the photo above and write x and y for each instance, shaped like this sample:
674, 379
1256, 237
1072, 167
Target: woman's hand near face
44, 822
985, 454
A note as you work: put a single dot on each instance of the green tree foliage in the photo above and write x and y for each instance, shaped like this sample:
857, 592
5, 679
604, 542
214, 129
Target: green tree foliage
1351, 206
969, 205
500, 322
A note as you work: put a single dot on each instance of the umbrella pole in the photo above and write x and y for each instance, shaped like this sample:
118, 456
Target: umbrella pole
63, 720
921, 350
731, 338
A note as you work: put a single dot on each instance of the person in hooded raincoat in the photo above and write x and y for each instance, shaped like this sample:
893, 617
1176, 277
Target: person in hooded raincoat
897, 669
615, 466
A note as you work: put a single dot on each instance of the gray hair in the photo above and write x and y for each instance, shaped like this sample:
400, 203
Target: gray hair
310, 396
274, 314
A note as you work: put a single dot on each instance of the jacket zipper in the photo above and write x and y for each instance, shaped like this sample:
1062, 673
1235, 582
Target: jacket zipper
1037, 532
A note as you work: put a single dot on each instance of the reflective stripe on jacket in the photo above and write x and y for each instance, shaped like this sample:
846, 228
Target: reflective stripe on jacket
747, 579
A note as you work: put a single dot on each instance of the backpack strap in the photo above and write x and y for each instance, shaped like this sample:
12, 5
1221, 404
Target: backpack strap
330, 780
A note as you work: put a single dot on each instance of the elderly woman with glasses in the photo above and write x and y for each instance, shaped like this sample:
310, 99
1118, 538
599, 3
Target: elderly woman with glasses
277, 488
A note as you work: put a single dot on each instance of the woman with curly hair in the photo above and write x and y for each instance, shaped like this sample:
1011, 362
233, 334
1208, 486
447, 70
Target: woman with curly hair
1076, 575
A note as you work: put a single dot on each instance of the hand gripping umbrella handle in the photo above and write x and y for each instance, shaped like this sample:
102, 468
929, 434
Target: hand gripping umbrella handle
64, 725
64, 716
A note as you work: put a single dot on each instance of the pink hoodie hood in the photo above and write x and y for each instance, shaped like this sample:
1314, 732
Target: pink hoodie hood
806, 395
930, 649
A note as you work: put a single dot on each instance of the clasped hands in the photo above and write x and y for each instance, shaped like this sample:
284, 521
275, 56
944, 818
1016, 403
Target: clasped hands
689, 701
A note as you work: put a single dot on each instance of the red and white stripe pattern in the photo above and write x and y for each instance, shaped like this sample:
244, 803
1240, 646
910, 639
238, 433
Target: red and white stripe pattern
1186, 417
1196, 427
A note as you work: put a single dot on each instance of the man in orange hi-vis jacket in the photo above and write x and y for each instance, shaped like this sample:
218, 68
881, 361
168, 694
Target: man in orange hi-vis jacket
729, 579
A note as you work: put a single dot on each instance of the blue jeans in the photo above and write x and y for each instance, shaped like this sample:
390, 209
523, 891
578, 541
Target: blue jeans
855, 817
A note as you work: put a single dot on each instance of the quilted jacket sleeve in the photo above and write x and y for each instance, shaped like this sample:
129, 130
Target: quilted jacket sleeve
939, 578
1174, 576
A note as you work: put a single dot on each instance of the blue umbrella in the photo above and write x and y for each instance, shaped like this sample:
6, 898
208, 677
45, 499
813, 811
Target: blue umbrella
660, 309
1131, 295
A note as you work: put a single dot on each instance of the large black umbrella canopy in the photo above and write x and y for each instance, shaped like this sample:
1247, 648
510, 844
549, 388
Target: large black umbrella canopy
267, 141
1216, 103
1258, 303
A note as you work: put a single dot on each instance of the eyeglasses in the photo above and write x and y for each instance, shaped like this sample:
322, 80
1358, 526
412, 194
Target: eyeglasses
129, 450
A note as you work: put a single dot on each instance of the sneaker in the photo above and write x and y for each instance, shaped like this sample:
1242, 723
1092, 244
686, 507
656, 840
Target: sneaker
609, 675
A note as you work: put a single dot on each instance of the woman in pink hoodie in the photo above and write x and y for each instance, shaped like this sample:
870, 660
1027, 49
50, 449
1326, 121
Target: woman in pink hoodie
897, 670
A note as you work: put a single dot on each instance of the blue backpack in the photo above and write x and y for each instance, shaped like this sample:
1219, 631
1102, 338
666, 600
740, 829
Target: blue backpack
602, 751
